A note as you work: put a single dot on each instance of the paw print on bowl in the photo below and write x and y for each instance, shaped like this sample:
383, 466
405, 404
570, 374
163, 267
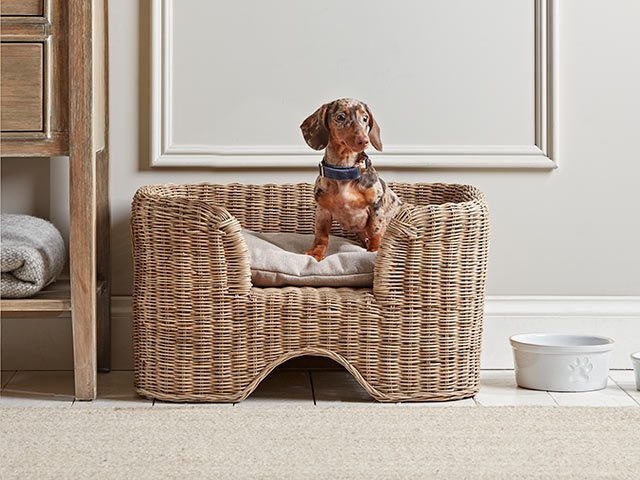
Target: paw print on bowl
580, 369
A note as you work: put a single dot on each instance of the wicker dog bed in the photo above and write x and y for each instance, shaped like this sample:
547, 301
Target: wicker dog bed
202, 332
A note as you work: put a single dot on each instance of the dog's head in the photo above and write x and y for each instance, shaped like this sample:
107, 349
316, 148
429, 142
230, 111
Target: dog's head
345, 122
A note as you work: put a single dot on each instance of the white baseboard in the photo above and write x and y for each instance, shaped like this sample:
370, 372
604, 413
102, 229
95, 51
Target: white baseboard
615, 317
34, 344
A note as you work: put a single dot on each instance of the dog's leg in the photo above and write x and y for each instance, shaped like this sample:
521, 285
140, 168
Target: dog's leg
375, 230
322, 229
374, 243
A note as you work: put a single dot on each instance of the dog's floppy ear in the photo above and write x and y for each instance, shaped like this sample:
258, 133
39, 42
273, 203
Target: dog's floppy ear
374, 130
315, 130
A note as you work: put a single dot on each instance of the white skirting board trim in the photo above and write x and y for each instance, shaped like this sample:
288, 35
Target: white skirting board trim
617, 317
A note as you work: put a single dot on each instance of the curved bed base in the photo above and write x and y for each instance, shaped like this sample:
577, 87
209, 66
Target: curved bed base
317, 352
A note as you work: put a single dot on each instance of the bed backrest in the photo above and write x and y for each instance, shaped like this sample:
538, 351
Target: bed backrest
291, 207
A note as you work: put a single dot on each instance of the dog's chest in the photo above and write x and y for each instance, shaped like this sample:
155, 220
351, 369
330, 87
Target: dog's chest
347, 202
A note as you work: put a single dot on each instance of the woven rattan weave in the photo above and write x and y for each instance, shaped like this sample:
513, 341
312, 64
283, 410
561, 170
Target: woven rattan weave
202, 332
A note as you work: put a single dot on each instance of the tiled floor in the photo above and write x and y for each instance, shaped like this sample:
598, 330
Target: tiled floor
302, 387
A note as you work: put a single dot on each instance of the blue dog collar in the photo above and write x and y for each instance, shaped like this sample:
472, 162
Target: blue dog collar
343, 173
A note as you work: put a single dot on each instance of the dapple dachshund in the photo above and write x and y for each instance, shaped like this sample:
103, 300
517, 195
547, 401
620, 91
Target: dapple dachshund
348, 189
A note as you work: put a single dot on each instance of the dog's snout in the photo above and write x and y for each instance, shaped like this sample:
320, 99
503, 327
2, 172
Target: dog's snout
361, 140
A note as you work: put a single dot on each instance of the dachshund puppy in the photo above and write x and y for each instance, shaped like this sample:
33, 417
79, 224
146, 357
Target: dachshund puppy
348, 188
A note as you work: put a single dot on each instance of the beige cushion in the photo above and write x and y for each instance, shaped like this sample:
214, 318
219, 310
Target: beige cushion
278, 259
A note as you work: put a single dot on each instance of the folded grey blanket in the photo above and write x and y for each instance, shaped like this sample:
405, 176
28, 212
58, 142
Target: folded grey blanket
33, 255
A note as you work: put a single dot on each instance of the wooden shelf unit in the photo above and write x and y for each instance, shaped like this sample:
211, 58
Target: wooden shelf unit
54, 298
55, 60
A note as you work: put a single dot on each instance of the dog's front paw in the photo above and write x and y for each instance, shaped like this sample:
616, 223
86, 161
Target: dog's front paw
373, 243
317, 252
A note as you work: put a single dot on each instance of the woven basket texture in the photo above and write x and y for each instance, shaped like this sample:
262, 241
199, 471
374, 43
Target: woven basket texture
202, 332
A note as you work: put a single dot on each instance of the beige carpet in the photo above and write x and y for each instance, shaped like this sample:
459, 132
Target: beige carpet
353, 442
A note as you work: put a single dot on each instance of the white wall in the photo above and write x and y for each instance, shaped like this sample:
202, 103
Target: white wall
570, 231
25, 186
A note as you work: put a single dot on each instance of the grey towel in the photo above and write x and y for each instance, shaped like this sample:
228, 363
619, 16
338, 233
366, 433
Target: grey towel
33, 255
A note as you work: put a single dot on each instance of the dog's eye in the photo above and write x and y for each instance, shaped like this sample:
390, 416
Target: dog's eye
341, 117
365, 118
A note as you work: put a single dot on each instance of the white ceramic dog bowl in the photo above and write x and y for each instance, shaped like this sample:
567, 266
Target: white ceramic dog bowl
561, 362
635, 359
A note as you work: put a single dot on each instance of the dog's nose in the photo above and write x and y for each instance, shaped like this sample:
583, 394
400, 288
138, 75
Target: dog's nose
362, 141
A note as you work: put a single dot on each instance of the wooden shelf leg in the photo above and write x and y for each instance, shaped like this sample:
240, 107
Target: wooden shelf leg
104, 263
82, 262
82, 173
103, 210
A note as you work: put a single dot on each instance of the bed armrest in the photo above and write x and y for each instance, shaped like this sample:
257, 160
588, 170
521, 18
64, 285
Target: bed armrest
433, 255
187, 248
